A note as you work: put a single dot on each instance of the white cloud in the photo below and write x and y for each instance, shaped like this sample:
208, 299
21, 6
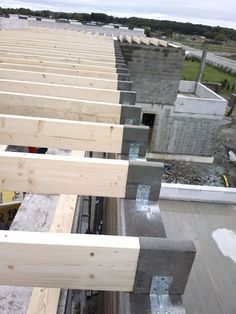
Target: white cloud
212, 12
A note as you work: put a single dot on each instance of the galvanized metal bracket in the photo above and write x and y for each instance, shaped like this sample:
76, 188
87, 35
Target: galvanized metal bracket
144, 173
134, 151
129, 121
142, 197
159, 295
135, 141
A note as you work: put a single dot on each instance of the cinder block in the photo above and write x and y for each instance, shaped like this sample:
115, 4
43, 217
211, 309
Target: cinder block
129, 112
135, 135
164, 257
127, 98
144, 173
155, 72
124, 85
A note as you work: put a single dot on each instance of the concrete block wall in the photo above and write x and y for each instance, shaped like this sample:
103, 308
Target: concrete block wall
184, 134
155, 72
86, 28
178, 129
6, 23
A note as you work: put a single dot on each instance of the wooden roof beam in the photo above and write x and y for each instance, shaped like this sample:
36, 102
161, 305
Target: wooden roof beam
72, 135
67, 108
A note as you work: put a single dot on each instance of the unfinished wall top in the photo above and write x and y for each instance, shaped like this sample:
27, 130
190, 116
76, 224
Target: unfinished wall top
155, 72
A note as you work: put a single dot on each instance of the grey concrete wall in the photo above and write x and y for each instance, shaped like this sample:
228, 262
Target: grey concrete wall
6, 23
154, 71
200, 106
184, 134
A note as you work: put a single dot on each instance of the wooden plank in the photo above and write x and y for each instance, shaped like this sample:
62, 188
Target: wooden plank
63, 175
58, 70
121, 38
145, 40
3, 147
35, 214
58, 108
45, 300
50, 78
60, 50
154, 41
75, 261
65, 49
68, 38
68, 60
128, 39
62, 134
163, 43
60, 53
55, 90
136, 39
34, 61
174, 46
35, 43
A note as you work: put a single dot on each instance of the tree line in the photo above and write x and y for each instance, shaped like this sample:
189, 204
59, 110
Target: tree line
150, 25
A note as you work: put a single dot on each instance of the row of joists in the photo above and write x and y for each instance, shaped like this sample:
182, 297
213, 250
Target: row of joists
64, 90
68, 90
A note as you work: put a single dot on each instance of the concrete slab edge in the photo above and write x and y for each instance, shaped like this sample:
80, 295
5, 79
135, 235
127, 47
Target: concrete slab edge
198, 193
192, 158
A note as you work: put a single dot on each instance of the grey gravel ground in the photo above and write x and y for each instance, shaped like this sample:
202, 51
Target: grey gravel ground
208, 174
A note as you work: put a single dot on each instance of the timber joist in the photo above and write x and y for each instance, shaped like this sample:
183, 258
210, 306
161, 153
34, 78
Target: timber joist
69, 80
63, 53
64, 71
90, 262
68, 90
65, 91
67, 108
67, 134
48, 174
59, 43
56, 63
66, 59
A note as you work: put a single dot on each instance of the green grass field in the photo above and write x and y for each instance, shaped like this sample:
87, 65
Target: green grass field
211, 74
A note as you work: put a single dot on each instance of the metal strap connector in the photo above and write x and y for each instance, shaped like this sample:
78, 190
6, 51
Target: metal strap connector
159, 295
129, 121
134, 151
142, 197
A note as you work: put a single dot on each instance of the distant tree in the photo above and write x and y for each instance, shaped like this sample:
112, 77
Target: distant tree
24, 11
219, 37
46, 13
101, 17
77, 16
85, 17
147, 31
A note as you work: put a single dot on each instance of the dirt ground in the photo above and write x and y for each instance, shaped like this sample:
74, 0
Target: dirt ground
208, 174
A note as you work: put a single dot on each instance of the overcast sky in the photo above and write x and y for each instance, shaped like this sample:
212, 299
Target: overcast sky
210, 12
